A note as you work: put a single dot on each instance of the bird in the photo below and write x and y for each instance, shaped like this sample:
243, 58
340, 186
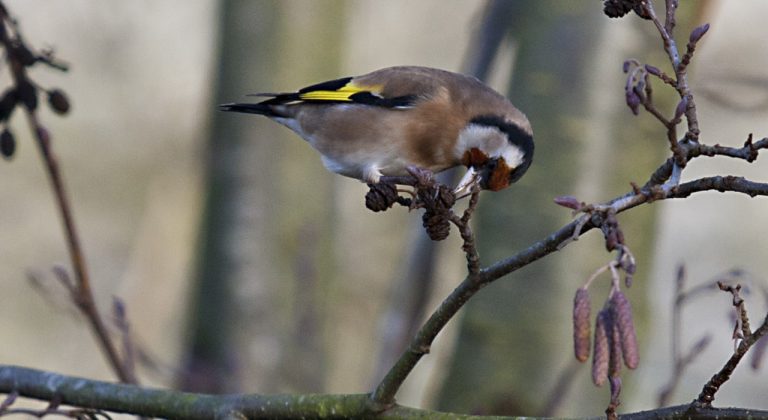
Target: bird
389, 121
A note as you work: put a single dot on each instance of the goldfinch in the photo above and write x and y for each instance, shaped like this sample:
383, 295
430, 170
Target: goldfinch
382, 123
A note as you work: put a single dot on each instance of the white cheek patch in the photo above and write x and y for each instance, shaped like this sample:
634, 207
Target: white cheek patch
490, 140
476, 136
513, 156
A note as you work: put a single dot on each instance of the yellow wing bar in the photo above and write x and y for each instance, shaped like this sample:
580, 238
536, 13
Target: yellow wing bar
341, 94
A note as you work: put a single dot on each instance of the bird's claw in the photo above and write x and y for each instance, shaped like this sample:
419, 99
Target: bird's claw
424, 177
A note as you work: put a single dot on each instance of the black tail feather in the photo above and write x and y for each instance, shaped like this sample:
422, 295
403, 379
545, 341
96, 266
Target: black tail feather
263, 107
260, 108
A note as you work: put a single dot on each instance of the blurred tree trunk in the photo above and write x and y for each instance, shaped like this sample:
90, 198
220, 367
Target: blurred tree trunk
311, 44
263, 271
515, 339
237, 162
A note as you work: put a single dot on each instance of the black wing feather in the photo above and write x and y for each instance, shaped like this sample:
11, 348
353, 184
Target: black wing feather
364, 97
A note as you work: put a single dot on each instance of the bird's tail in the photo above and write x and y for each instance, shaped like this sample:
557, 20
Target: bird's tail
261, 108
267, 107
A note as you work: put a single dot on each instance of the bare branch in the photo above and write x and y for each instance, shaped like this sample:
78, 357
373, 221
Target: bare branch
707, 394
126, 398
387, 388
20, 57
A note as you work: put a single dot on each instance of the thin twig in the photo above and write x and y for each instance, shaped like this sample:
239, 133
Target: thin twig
465, 230
16, 53
84, 296
709, 390
665, 31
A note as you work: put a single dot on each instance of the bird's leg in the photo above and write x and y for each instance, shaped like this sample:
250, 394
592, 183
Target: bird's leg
372, 175
422, 181
400, 180
424, 177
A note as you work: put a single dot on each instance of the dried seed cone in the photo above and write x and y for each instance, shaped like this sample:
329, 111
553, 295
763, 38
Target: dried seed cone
581, 329
58, 101
7, 104
437, 202
381, 196
622, 316
7, 144
445, 197
618, 8
437, 225
601, 353
439, 198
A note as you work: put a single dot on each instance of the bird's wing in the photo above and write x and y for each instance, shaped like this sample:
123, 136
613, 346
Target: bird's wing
344, 90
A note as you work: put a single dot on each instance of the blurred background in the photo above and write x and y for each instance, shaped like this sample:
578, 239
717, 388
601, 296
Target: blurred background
246, 267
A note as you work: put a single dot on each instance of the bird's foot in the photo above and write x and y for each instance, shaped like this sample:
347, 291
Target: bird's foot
424, 177
372, 175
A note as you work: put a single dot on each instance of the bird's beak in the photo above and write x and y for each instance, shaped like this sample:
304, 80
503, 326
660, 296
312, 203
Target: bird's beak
467, 183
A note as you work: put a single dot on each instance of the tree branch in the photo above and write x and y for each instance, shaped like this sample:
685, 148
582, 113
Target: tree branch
132, 399
387, 388
748, 338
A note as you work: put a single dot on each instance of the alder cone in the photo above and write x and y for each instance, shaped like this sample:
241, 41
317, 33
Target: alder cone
380, 197
437, 225
7, 144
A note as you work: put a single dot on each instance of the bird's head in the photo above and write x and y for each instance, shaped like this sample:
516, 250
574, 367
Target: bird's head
496, 151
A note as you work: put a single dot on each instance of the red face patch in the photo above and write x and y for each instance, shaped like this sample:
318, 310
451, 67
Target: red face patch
499, 178
474, 158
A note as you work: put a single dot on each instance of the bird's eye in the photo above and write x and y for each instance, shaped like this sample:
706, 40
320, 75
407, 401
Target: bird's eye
486, 172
